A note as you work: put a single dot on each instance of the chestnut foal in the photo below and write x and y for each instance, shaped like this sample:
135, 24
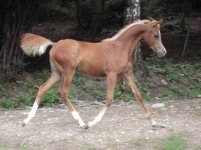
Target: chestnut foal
109, 58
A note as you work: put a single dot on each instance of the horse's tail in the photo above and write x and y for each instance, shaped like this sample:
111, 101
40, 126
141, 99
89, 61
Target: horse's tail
34, 45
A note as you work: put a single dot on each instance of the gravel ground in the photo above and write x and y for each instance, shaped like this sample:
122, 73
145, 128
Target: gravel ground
123, 127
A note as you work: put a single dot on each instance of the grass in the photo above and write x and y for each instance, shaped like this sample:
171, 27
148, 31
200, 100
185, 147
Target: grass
180, 80
21, 147
2, 147
87, 147
25, 147
174, 143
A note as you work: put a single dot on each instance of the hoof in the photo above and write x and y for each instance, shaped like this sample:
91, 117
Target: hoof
23, 124
158, 126
86, 126
154, 124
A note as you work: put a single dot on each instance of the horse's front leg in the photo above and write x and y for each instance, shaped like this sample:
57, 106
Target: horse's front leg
111, 83
130, 81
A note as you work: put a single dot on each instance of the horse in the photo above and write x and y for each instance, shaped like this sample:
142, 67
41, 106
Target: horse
110, 58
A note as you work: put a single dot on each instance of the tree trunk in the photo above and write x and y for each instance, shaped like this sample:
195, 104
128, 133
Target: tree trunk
187, 6
89, 16
79, 14
16, 17
132, 13
97, 7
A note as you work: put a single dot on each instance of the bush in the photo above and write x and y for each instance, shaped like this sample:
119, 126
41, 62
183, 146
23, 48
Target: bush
9, 103
152, 8
50, 98
25, 99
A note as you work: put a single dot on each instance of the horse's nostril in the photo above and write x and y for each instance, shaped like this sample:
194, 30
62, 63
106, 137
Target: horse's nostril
161, 53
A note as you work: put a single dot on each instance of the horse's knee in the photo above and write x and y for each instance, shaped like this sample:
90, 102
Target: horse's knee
62, 94
40, 91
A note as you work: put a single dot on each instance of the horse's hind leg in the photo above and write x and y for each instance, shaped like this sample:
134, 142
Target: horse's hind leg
43, 88
63, 91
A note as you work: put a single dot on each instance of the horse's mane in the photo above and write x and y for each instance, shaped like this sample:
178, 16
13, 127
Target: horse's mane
126, 28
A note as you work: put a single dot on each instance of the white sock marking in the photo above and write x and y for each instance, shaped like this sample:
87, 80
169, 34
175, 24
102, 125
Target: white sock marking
97, 118
77, 117
153, 123
31, 113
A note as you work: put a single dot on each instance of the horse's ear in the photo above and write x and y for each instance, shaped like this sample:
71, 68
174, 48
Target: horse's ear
150, 18
160, 21
157, 22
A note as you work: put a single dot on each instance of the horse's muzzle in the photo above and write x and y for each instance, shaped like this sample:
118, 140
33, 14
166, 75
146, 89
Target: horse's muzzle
161, 52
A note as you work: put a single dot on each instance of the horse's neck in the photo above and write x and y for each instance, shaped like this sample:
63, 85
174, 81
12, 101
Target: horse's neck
130, 38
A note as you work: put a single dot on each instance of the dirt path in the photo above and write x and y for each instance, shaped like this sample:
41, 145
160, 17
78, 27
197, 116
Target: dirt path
123, 127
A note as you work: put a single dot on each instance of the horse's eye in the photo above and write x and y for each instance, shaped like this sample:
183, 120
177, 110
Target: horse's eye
156, 36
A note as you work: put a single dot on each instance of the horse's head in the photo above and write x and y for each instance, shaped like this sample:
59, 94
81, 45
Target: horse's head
152, 37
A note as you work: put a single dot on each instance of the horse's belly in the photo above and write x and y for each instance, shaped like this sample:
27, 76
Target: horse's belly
91, 70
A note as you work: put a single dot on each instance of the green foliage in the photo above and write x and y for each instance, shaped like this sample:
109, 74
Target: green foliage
172, 24
166, 95
152, 8
43, 75
25, 99
79, 80
27, 82
115, 5
100, 94
2, 91
182, 80
174, 143
50, 98
73, 96
8, 74
123, 92
8, 103
89, 90
20, 65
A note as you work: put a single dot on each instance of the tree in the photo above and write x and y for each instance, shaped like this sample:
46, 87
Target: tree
15, 17
132, 13
97, 15
83, 14
90, 15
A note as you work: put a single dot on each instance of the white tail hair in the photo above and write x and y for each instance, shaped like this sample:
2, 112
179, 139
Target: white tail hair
33, 44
